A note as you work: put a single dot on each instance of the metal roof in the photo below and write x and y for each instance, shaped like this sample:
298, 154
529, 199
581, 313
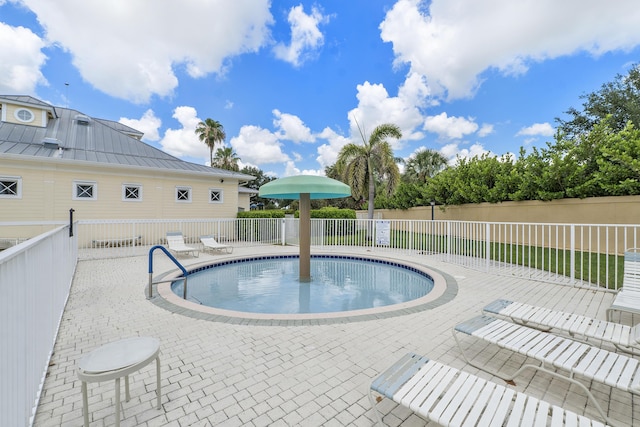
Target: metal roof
98, 141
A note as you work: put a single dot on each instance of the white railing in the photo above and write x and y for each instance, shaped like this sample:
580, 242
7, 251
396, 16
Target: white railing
33, 299
35, 279
577, 254
121, 238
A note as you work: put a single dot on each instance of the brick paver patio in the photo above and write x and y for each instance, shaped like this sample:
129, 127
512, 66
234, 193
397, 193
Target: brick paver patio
234, 374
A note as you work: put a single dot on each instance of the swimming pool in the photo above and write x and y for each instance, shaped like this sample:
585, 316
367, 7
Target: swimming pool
444, 289
271, 285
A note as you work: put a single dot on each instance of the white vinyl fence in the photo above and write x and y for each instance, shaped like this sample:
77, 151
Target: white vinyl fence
36, 275
121, 238
35, 279
577, 254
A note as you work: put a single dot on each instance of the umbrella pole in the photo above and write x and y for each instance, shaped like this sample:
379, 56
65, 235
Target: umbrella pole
305, 237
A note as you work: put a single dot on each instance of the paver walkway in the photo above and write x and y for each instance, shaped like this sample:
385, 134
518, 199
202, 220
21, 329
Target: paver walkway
223, 374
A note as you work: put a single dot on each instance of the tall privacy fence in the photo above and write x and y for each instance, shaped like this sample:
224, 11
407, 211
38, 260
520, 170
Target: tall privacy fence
578, 254
35, 280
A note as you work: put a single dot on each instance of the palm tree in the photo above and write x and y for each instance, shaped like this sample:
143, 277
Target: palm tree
226, 158
359, 165
424, 164
210, 132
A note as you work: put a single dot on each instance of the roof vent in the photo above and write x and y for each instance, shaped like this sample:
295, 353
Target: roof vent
82, 119
51, 143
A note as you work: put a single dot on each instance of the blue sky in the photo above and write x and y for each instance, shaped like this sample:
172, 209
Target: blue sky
289, 79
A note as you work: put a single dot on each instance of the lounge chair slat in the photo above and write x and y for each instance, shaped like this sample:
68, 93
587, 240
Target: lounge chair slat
429, 383
577, 326
457, 398
498, 410
482, 402
467, 390
628, 298
517, 412
542, 413
567, 356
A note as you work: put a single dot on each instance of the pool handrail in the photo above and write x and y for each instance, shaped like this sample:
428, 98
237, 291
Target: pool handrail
185, 273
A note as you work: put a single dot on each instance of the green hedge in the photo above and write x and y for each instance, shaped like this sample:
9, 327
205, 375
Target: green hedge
274, 213
330, 212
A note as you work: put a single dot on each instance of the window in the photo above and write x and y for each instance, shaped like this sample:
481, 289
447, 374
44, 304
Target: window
10, 187
83, 190
24, 115
183, 194
132, 193
215, 195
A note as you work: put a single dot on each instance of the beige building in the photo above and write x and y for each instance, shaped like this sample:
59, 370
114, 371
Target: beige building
54, 159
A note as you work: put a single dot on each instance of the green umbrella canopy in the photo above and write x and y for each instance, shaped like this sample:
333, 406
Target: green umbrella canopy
318, 187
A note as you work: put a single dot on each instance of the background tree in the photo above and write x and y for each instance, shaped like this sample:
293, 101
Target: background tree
261, 179
424, 164
618, 172
619, 99
226, 158
360, 165
211, 133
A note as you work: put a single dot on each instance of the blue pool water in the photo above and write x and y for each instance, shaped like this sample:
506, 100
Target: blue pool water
271, 285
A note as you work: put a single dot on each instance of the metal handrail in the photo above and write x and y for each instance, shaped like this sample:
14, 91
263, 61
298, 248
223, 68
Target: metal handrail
175, 261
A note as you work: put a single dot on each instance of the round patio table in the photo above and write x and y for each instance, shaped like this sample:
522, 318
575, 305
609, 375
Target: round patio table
116, 360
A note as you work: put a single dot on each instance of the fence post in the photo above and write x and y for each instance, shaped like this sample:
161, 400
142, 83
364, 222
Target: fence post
573, 253
283, 236
448, 243
487, 246
71, 211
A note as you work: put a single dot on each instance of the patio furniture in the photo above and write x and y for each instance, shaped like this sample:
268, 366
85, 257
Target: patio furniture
583, 328
116, 360
628, 298
176, 244
210, 243
451, 397
117, 242
555, 355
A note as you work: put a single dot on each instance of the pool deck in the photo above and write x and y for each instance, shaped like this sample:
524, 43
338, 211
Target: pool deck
235, 373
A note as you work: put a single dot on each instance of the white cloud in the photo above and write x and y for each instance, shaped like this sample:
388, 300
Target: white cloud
291, 127
148, 124
21, 58
537, 129
184, 141
306, 37
450, 127
485, 129
292, 170
376, 107
258, 146
328, 153
130, 50
452, 42
453, 151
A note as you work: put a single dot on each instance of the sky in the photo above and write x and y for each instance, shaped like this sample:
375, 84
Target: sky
292, 82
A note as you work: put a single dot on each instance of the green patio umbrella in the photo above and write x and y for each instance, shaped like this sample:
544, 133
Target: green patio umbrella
305, 188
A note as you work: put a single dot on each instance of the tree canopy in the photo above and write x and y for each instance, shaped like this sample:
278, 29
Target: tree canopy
618, 100
211, 132
226, 158
360, 165
594, 153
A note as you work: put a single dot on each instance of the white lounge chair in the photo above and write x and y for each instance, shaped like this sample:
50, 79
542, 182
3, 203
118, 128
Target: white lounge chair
583, 328
176, 244
555, 355
628, 298
211, 244
451, 397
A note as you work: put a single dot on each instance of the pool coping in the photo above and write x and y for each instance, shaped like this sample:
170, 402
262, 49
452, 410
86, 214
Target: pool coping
445, 288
